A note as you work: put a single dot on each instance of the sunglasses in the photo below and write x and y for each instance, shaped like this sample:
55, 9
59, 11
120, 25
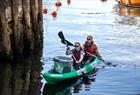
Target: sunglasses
77, 46
88, 39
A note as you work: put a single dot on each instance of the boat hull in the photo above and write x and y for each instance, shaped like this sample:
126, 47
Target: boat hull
130, 2
53, 78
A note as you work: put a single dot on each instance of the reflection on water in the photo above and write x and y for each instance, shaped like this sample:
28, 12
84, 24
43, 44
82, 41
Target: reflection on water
21, 77
116, 31
66, 88
125, 11
70, 87
128, 15
59, 89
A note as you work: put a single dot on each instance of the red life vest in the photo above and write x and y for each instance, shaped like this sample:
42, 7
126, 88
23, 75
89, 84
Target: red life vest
91, 49
76, 54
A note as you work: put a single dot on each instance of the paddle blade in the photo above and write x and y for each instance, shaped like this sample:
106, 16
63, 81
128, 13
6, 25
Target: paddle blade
60, 34
63, 40
67, 43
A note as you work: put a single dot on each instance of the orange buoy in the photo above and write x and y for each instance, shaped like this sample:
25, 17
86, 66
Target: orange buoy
58, 3
54, 13
68, 2
45, 10
103, 0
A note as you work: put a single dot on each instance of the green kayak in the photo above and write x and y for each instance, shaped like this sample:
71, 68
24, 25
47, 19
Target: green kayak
53, 78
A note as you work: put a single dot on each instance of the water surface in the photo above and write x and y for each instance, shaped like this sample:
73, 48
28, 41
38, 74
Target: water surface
116, 32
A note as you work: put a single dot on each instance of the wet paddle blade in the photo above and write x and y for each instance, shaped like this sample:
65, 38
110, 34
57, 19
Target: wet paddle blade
60, 34
63, 40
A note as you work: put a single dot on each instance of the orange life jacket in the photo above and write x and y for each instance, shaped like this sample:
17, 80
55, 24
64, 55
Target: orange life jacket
91, 49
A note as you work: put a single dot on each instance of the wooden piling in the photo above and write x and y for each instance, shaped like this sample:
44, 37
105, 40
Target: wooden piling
22, 31
34, 22
27, 32
40, 20
5, 43
16, 32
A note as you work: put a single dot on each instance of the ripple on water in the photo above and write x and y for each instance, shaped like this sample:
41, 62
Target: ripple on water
118, 39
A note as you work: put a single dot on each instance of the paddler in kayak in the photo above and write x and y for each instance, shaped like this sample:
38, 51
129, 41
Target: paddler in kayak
77, 54
90, 48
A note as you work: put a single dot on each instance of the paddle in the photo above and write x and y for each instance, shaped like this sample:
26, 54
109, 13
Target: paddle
67, 43
106, 63
85, 79
63, 40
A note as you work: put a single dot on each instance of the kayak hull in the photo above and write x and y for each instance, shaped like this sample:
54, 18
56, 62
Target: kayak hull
53, 78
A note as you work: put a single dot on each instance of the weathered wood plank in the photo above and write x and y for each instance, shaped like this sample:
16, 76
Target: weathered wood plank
40, 21
17, 48
34, 20
28, 36
5, 44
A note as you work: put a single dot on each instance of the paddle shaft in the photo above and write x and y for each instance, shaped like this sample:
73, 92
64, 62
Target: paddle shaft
83, 74
73, 56
63, 40
95, 56
67, 43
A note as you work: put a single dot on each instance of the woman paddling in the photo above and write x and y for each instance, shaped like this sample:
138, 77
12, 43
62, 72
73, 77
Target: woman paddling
77, 55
